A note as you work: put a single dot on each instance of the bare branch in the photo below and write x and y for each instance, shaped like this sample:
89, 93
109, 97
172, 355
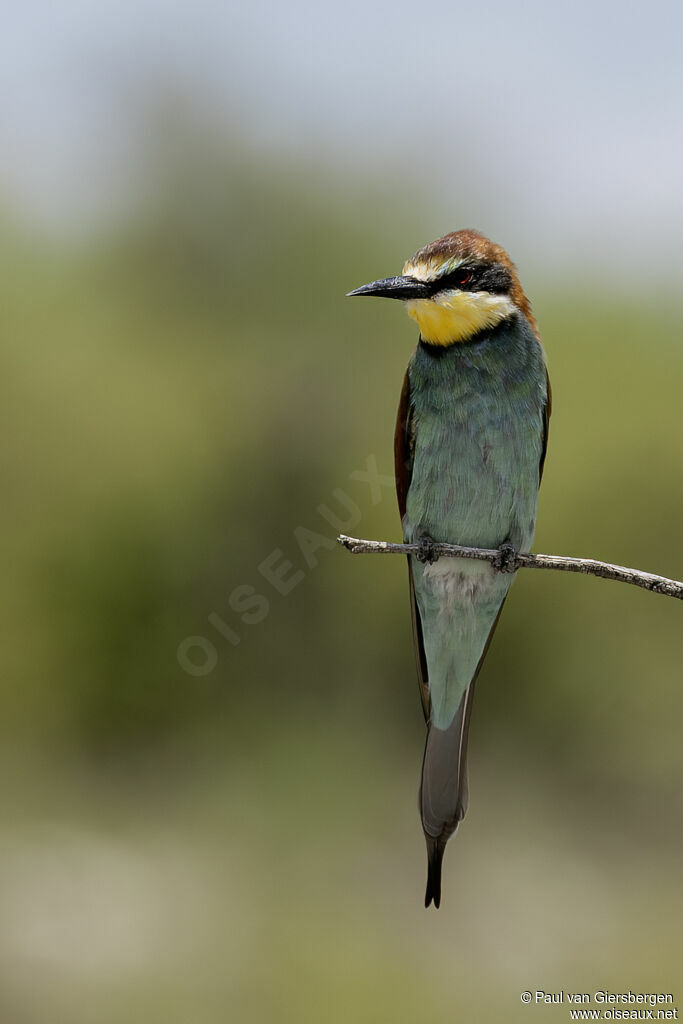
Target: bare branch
588, 566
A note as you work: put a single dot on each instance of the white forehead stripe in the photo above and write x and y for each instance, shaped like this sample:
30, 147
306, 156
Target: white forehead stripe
430, 270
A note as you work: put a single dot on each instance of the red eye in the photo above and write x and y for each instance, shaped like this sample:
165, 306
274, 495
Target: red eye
464, 278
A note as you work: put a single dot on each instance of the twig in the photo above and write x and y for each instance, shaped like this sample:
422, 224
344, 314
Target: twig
588, 566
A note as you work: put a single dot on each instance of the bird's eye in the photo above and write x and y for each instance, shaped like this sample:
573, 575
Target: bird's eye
456, 279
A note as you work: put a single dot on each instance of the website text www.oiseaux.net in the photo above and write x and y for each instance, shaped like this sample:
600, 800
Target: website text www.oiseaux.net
605, 1005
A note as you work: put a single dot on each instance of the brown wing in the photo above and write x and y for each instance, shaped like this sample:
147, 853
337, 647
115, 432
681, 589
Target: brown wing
403, 446
403, 465
546, 426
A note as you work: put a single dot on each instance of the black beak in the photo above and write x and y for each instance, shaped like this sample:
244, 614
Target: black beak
395, 288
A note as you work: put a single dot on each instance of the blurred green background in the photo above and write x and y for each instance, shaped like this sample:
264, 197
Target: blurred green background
209, 807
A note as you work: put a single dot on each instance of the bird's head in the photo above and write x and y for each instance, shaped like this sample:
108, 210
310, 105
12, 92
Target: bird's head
455, 287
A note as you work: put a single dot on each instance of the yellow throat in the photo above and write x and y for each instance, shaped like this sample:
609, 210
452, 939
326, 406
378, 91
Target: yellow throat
453, 316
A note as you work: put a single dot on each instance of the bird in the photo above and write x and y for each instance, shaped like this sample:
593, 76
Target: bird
470, 444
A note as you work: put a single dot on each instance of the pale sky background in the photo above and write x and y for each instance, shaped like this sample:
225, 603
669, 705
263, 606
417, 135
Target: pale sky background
530, 120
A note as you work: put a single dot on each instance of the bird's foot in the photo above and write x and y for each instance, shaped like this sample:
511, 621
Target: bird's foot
506, 559
427, 555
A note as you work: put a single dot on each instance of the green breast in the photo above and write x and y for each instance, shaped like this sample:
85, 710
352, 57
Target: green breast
478, 435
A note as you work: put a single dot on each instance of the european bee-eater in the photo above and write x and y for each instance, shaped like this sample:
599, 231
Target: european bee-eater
470, 442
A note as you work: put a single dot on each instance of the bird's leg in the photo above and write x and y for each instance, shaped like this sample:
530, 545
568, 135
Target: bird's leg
427, 555
506, 559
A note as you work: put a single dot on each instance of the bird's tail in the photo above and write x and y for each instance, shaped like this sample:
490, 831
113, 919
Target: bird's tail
443, 793
435, 852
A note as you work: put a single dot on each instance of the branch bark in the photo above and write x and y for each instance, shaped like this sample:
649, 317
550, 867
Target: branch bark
587, 566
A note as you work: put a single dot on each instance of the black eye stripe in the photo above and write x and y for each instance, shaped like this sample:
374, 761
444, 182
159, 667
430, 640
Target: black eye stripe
463, 277
494, 278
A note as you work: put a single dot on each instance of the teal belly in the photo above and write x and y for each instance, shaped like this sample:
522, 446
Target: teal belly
477, 441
